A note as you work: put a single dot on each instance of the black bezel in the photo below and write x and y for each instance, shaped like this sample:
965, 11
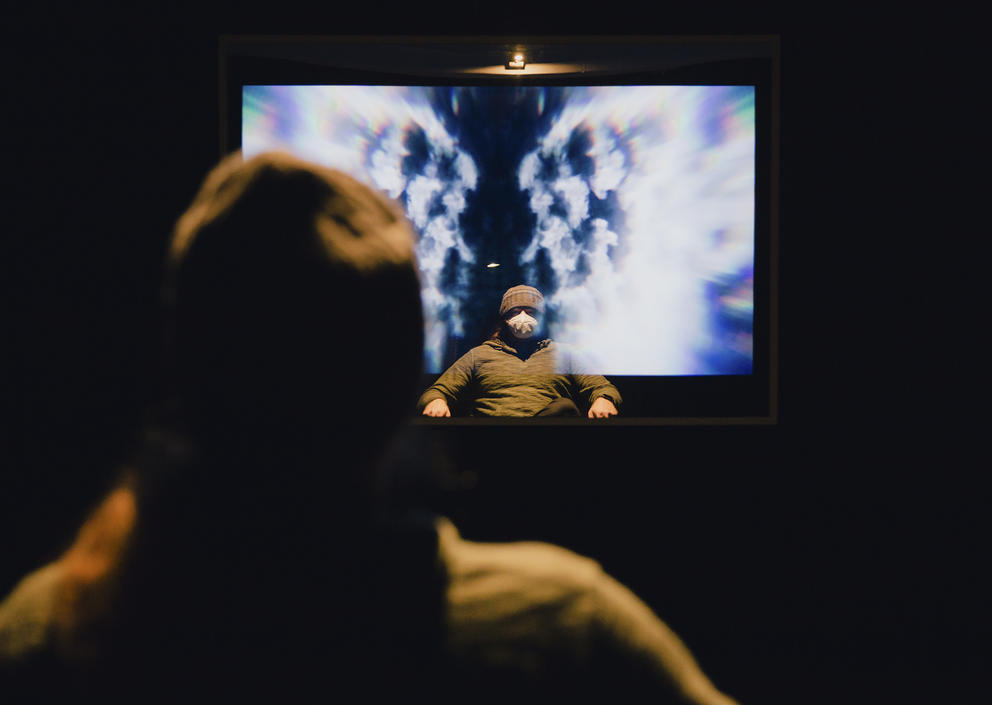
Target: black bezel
683, 60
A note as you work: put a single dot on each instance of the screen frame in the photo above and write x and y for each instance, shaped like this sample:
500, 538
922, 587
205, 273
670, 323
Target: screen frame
706, 400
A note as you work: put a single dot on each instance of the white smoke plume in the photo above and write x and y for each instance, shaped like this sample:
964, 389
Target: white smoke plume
686, 202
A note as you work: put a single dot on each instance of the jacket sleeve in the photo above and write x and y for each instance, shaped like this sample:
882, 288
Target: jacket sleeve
450, 385
592, 387
589, 387
641, 654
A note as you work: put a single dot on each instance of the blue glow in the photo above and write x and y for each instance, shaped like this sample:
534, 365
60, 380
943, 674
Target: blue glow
630, 207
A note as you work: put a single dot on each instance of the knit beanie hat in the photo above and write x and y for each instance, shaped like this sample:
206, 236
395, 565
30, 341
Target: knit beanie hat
521, 296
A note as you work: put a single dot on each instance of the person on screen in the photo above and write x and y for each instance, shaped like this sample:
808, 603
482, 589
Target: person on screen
519, 373
245, 552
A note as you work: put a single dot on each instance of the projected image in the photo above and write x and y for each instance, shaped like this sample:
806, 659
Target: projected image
631, 208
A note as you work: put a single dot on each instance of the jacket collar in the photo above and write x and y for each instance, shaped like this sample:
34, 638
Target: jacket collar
498, 344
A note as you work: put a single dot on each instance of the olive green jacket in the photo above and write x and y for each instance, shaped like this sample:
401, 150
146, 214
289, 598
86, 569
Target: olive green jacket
493, 380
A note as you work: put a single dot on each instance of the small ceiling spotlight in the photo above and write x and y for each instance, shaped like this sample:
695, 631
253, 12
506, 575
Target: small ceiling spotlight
515, 61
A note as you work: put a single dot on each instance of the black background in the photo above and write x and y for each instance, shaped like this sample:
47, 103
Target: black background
833, 557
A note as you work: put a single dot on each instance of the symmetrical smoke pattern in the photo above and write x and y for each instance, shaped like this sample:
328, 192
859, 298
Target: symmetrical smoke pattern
631, 207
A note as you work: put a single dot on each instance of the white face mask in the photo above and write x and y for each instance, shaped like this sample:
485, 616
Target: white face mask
522, 326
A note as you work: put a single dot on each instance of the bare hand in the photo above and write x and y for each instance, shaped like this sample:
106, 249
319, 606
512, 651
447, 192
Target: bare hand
602, 408
437, 407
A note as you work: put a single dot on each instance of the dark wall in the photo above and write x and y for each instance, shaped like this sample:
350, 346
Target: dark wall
830, 558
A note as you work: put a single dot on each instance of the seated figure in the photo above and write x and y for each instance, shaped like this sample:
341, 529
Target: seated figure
517, 372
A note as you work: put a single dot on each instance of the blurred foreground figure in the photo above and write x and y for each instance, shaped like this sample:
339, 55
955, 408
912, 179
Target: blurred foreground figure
517, 372
243, 554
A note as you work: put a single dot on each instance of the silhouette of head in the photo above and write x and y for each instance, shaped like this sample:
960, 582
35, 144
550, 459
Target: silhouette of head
293, 307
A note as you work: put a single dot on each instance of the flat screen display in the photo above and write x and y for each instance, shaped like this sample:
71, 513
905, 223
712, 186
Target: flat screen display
631, 207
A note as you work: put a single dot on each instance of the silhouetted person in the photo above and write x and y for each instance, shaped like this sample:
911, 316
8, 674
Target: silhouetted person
243, 554
517, 372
